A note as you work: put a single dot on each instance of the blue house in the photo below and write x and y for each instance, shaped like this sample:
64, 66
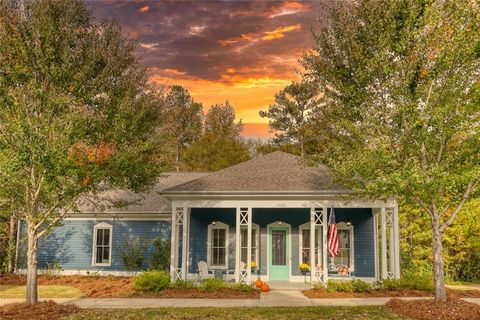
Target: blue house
252, 220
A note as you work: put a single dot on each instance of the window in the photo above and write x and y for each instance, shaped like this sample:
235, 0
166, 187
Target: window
244, 244
345, 244
217, 256
305, 244
102, 244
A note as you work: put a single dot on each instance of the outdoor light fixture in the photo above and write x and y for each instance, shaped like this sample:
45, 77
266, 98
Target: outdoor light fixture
214, 222
279, 222
349, 223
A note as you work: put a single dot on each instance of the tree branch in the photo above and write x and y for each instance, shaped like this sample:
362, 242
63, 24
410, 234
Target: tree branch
470, 189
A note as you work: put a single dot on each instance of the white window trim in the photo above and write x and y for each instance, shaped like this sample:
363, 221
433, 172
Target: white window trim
102, 225
257, 228
344, 226
211, 227
306, 226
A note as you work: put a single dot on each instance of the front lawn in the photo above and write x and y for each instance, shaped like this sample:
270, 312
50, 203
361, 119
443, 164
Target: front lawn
317, 313
44, 292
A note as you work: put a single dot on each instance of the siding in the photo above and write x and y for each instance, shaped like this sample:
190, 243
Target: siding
71, 243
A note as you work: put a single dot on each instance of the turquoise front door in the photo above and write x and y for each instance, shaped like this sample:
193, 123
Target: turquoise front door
279, 261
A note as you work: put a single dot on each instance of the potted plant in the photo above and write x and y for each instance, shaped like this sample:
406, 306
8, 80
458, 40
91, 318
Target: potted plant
304, 268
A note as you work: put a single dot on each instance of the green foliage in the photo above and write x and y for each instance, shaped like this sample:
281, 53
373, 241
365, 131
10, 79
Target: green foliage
242, 287
292, 114
133, 254
221, 145
400, 104
213, 284
160, 255
182, 284
339, 285
361, 286
151, 281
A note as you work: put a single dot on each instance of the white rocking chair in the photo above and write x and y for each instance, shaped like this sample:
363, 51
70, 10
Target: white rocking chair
203, 272
230, 274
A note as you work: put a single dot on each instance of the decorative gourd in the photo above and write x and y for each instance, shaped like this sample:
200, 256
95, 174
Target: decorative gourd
265, 288
258, 283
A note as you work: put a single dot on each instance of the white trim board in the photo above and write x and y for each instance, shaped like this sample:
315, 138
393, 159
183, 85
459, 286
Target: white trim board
110, 216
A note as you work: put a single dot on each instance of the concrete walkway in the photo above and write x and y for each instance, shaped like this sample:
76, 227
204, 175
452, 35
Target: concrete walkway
275, 298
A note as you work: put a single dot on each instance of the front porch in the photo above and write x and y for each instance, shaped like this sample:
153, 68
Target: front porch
276, 235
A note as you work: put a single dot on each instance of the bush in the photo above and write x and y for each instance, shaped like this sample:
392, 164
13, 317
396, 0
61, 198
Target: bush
213, 284
160, 256
133, 254
336, 285
241, 287
151, 281
361, 286
182, 284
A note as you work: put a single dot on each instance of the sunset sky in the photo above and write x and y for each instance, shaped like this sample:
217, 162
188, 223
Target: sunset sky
241, 51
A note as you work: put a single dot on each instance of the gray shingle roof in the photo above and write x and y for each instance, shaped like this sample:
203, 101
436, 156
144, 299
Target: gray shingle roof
274, 172
148, 202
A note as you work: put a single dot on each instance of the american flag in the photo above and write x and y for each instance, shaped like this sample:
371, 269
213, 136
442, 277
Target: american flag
332, 235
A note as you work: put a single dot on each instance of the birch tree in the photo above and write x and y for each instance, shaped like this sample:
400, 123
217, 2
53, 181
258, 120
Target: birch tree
76, 115
402, 104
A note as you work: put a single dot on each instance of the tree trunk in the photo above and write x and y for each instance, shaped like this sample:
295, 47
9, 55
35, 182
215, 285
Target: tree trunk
32, 296
11, 244
438, 270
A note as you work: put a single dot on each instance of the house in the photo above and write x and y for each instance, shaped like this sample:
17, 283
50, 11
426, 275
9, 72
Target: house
252, 220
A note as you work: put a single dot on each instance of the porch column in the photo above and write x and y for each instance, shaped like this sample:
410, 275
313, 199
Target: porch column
249, 246
375, 243
185, 241
396, 231
244, 219
176, 270
383, 227
313, 267
324, 245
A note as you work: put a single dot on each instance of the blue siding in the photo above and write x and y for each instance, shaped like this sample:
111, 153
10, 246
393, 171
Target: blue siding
71, 244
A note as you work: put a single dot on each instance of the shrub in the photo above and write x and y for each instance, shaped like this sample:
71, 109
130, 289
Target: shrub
319, 286
182, 284
151, 281
160, 256
335, 285
361, 286
241, 287
133, 254
213, 284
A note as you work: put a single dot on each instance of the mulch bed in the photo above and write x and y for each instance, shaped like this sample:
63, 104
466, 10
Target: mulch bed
47, 310
121, 287
197, 293
453, 309
389, 293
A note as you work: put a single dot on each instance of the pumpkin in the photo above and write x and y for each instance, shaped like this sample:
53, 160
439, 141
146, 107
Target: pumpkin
258, 283
265, 288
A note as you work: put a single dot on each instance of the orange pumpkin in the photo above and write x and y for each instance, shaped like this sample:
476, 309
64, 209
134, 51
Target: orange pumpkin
258, 283
265, 288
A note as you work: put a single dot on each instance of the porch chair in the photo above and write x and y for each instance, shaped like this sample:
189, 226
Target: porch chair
230, 274
203, 272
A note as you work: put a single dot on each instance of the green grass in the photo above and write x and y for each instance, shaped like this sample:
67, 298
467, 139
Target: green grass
317, 313
43, 292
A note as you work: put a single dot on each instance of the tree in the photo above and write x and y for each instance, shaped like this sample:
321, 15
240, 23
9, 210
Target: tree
402, 104
182, 121
291, 113
221, 145
77, 116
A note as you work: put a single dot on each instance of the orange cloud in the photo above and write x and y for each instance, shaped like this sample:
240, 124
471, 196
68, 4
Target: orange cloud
231, 70
280, 32
288, 8
144, 9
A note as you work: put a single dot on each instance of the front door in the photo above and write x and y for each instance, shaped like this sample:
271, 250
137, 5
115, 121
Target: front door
279, 249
